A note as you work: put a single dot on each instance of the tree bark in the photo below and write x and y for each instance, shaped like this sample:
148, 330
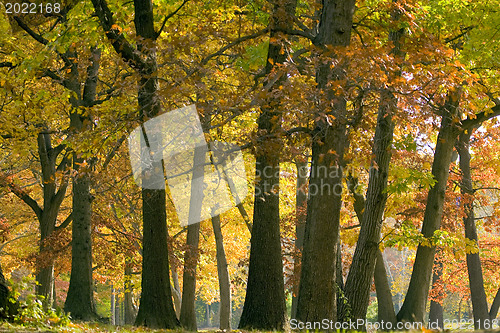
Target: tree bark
413, 308
52, 200
264, 307
384, 296
474, 269
80, 298
223, 274
360, 277
300, 213
156, 309
188, 311
317, 289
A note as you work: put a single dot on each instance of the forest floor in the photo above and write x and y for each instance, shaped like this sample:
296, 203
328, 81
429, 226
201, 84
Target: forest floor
103, 328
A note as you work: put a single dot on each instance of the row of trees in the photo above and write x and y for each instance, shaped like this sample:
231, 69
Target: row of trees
368, 100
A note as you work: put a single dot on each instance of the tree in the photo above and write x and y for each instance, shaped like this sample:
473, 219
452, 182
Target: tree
264, 306
156, 308
317, 300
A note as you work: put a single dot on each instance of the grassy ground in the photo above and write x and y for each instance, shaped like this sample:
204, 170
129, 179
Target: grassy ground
76, 328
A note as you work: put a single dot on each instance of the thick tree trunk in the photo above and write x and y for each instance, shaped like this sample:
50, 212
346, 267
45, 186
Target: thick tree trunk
80, 298
436, 313
360, 277
317, 289
300, 213
413, 308
264, 307
156, 309
476, 282
223, 274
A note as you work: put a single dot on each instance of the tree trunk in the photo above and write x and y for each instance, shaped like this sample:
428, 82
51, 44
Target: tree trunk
385, 304
176, 291
156, 309
80, 298
52, 200
413, 308
129, 311
384, 296
436, 319
264, 307
223, 274
188, 311
300, 213
317, 289
360, 277
112, 305
476, 282
495, 305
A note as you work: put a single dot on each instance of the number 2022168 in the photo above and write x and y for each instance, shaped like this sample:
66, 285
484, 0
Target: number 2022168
32, 8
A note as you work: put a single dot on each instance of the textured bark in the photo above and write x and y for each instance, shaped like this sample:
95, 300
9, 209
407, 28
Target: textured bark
413, 308
360, 277
436, 315
317, 290
300, 207
264, 307
52, 200
156, 309
474, 269
384, 296
188, 311
80, 298
363, 267
223, 274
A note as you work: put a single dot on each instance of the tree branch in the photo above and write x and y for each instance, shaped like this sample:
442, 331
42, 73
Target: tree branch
21, 194
168, 17
65, 223
129, 54
470, 123
39, 38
